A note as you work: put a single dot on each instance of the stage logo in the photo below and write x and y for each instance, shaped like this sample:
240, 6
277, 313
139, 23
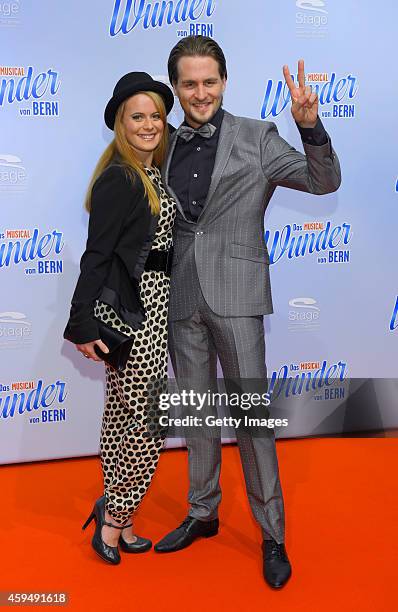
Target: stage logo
10, 11
315, 377
19, 85
311, 19
34, 251
15, 330
37, 401
324, 240
303, 314
335, 95
190, 16
12, 173
394, 318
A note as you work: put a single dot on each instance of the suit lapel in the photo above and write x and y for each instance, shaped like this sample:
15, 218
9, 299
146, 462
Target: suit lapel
228, 133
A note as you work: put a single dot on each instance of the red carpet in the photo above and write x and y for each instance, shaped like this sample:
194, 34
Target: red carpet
341, 505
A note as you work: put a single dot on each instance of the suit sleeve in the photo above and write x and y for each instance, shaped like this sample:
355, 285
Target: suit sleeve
113, 197
318, 171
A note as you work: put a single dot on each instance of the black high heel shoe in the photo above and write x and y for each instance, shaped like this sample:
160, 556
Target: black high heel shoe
139, 546
107, 553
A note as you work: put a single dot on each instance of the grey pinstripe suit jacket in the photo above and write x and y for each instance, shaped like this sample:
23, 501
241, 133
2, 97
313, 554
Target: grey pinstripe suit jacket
225, 249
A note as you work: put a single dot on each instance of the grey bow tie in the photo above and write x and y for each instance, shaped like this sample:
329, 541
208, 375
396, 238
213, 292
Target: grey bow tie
187, 133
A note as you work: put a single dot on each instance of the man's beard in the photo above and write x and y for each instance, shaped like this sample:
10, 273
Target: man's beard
203, 122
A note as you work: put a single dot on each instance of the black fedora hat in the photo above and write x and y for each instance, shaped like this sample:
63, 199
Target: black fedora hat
130, 84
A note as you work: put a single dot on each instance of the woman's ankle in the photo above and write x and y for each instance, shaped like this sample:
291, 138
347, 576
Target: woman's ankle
110, 519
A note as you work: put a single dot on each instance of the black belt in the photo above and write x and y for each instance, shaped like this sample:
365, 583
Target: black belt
159, 261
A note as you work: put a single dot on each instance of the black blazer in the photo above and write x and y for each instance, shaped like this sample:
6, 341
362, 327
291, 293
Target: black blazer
120, 224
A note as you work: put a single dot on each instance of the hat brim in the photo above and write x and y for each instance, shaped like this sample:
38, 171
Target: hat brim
155, 86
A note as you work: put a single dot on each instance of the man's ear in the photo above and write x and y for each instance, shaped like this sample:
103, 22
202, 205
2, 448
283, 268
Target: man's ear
224, 84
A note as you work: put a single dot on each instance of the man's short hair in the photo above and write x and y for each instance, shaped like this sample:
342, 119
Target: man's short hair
196, 45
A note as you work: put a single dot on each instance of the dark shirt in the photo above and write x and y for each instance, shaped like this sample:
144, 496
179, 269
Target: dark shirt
193, 163
192, 166
314, 136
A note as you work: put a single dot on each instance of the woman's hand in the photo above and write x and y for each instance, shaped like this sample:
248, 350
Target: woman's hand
88, 349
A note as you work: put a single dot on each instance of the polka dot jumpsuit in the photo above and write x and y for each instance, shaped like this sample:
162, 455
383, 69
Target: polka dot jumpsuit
131, 438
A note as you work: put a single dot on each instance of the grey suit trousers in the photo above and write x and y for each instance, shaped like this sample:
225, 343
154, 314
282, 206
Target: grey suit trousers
238, 342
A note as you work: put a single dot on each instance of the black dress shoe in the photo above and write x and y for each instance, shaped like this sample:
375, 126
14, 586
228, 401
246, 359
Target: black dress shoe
277, 568
186, 533
139, 546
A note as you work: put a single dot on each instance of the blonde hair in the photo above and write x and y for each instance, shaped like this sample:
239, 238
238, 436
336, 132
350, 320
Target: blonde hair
120, 151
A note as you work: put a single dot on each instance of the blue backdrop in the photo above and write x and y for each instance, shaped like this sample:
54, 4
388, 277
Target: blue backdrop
334, 266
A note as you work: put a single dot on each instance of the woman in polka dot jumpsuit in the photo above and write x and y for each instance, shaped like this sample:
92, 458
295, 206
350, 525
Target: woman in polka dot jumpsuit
129, 453
126, 260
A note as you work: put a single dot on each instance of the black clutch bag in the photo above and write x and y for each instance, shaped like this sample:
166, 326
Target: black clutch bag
119, 346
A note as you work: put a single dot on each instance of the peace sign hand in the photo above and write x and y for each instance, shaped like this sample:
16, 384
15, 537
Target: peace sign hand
304, 102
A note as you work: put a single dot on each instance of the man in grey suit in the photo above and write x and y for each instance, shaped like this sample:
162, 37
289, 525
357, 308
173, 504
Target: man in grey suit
222, 171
